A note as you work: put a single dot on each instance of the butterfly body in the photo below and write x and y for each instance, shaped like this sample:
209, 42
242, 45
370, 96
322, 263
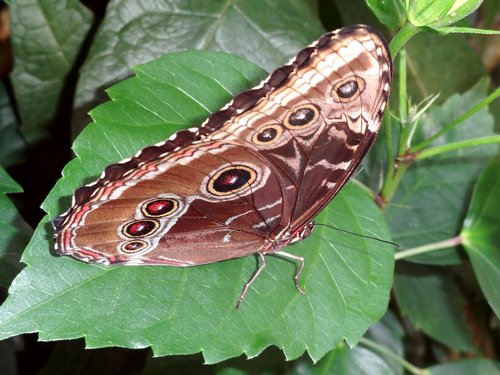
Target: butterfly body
252, 177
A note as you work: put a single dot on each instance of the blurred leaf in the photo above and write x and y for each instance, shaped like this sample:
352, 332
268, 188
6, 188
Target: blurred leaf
46, 39
356, 11
271, 361
481, 235
15, 233
11, 143
431, 201
434, 304
434, 13
464, 30
187, 310
466, 367
391, 13
230, 371
135, 32
389, 333
459, 68
345, 361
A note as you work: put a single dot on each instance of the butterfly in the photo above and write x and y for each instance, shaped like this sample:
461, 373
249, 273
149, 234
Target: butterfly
251, 178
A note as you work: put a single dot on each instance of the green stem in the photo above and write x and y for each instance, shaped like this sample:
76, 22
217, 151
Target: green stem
394, 172
457, 121
428, 248
382, 350
388, 146
433, 151
390, 186
401, 38
403, 109
400, 167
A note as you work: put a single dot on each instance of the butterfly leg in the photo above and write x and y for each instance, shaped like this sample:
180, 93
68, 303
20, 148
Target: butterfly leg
263, 265
299, 269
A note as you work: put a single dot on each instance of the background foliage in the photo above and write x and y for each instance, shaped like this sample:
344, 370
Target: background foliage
441, 203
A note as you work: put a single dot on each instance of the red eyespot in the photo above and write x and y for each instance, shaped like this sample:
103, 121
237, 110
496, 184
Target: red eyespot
132, 247
160, 207
231, 179
140, 228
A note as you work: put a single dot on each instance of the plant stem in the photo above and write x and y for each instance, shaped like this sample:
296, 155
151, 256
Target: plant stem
400, 166
390, 186
433, 151
403, 109
457, 121
382, 350
388, 146
394, 172
428, 248
402, 37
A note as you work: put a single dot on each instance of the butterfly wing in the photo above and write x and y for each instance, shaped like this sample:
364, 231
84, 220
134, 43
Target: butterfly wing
193, 206
268, 161
316, 128
359, 71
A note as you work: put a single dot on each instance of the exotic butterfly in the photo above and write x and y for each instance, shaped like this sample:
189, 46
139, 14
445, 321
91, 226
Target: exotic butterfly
252, 177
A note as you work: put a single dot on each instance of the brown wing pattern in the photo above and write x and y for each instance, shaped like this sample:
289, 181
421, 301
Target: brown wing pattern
251, 176
317, 128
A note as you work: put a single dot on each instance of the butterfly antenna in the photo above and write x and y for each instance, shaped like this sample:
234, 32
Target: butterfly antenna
357, 234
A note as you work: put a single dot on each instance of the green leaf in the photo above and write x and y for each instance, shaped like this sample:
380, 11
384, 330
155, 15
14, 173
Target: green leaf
15, 233
355, 11
440, 13
389, 333
46, 39
464, 30
430, 203
230, 371
459, 68
480, 234
344, 361
466, 367
131, 33
390, 13
187, 310
434, 304
11, 143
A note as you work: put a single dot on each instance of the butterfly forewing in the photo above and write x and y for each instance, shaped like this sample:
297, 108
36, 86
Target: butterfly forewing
314, 129
254, 174
351, 113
